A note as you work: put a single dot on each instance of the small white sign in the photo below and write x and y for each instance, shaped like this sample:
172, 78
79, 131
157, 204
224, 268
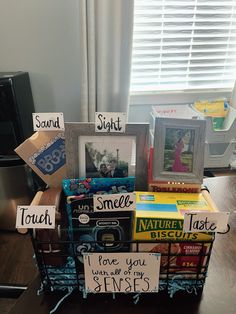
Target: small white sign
114, 202
48, 121
205, 222
35, 217
110, 122
122, 272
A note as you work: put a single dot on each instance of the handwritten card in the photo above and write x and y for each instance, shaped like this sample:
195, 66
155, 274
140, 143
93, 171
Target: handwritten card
35, 217
114, 202
48, 121
121, 272
110, 122
205, 222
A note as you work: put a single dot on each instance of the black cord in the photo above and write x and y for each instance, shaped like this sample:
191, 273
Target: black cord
204, 188
228, 226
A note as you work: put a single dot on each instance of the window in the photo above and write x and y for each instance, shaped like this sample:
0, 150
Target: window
183, 45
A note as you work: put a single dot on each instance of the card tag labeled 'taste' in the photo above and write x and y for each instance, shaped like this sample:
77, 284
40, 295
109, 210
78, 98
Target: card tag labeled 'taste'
205, 222
110, 122
48, 121
40, 217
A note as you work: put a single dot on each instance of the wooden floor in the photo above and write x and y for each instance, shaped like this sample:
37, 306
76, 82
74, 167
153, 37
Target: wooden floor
17, 266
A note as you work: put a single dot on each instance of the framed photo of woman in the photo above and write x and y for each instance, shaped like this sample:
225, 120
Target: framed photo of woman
179, 150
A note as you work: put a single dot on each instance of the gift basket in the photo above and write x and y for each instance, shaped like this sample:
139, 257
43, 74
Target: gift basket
116, 207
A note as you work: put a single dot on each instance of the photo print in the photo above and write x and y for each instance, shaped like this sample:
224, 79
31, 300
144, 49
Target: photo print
87, 151
107, 157
178, 150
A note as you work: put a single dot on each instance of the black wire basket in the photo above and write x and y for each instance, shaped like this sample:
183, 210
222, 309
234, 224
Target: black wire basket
60, 261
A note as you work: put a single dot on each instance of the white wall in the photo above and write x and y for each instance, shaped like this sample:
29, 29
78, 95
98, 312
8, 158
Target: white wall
42, 37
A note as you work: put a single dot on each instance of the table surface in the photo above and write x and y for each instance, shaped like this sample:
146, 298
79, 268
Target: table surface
219, 293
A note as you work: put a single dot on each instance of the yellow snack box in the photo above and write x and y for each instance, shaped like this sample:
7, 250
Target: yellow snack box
160, 215
217, 108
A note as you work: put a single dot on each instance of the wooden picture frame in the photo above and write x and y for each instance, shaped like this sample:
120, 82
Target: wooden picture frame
179, 150
76, 134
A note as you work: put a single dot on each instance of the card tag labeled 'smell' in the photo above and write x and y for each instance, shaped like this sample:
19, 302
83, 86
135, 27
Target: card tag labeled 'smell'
48, 121
114, 202
40, 217
110, 122
205, 222
121, 272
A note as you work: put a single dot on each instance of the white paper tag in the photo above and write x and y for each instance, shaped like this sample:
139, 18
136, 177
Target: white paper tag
41, 216
110, 122
122, 272
205, 222
114, 202
48, 121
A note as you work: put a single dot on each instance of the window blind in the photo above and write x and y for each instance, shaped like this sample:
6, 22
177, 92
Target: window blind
183, 44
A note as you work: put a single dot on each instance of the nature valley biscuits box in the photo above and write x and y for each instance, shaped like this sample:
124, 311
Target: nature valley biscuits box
160, 215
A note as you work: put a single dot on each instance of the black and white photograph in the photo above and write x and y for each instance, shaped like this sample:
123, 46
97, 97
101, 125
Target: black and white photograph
107, 157
95, 154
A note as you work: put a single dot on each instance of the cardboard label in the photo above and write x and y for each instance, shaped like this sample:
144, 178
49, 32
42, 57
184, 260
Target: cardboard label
114, 202
205, 222
52, 158
110, 122
40, 217
48, 121
44, 152
122, 272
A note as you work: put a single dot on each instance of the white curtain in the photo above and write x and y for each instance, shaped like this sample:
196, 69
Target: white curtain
105, 30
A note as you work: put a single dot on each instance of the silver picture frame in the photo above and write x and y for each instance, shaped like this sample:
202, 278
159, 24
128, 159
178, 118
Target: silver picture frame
170, 162
139, 131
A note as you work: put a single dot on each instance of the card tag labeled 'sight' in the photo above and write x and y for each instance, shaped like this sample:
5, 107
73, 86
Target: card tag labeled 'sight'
114, 202
110, 122
48, 121
40, 217
205, 222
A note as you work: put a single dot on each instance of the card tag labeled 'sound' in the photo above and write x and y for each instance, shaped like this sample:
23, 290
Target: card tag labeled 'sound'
40, 217
110, 122
48, 121
205, 222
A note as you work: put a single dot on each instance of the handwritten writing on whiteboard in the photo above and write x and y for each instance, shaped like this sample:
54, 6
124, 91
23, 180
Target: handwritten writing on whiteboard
114, 202
110, 122
121, 272
48, 121
35, 217
205, 222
